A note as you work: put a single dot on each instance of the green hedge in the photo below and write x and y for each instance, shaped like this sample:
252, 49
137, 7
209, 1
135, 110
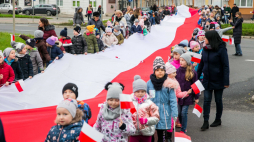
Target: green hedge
20, 16
70, 23
247, 29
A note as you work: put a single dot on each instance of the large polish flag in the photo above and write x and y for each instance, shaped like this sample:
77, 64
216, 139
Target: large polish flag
31, 113
181, 137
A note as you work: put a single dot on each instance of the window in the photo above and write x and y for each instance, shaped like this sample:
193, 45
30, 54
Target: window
75, 3
244, 3
59, 2
36, 6
41, 1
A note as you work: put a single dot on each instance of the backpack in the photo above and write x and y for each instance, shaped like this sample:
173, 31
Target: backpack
86, 110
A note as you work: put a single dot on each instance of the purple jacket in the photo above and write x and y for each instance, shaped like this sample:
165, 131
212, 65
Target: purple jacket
185, 86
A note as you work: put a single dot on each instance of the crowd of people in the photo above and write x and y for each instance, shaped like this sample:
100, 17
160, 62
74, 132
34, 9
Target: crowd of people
161, 103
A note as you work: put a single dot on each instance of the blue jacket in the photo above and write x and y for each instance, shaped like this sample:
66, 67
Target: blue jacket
55, 51
152, 20
68, 133
215, 67
165, 99
199, 21
196, 67
135, 29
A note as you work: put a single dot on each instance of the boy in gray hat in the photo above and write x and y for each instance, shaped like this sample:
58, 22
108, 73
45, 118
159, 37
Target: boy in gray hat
136, 28
118, 34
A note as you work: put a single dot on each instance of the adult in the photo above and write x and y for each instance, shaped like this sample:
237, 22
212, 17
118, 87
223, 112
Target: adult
119, 18
78, 18
215, 67
166, 12
173, 8
135, 15
202, 8
48, 30
127, 17
99, 10
96, 21
233, 11
227, 14
237, 33
89, 11
2, 137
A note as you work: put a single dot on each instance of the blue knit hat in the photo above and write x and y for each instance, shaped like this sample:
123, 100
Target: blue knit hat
184, 43
64, 32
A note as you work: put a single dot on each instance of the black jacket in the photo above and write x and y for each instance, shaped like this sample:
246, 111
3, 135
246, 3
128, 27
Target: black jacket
17, 70
133, 19
26, 66
147, 24
79, 45
215, 67
100, 44
234, 10
237, 31
98, 24
166, 12
2, 137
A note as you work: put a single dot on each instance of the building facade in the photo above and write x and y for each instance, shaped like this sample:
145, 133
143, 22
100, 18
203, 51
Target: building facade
245, 7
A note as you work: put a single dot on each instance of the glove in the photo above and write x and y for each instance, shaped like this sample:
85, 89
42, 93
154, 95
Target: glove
143, 121
174, 118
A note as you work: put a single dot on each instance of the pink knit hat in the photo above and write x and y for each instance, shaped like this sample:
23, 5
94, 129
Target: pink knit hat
170, 68
193, 44
201, 33
109, 24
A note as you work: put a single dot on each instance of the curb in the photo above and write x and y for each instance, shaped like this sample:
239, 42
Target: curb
249, 37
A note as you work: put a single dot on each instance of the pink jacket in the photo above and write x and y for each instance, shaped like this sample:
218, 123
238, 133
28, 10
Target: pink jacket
173, 83
176, 63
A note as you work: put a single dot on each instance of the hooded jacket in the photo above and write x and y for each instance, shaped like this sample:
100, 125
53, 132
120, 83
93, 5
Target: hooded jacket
109, 40
79, 44
36, 60
26, 66
54, 52
48, 31
16, 68
92, 44
78, 17
7, 72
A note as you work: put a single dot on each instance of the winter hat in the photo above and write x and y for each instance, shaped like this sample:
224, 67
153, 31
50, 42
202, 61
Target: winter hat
38, 34
179, 50
212, 26
1, 54
195, 32
72, 87
170, 68
7, 52
136, 21
96, 14
108, 30
17, 46
158, 63
217, 25
51, 40
201, 33
90, 28
114, 90
186, 57
117, 27
184, 43
139, 84
31, 42
77, 29
109, 24
64, 32
70, 104
193, 44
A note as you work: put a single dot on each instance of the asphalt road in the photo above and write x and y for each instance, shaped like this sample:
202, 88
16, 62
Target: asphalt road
238, 115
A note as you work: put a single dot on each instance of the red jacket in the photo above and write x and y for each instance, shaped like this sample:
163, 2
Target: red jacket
7, 72
65, 41
48, 32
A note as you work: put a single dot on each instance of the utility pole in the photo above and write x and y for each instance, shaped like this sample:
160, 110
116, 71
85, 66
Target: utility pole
101, 10
13, 16
33, 11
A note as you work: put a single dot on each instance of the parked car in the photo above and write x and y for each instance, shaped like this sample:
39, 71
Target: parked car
49, 9
7, 8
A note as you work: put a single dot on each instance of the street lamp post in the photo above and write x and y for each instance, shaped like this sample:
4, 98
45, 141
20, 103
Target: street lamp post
13, 16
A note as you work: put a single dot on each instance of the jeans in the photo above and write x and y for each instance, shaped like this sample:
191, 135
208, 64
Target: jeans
89, 16
226, 19
207, 103
238, 49
182, 114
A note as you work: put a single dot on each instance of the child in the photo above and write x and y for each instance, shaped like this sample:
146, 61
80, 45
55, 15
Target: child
34, 56
24, 59
186, 76
136, 28
164, 98
151, 18
70, 91
157, 18
195, 47
116, 24
194, 34
99, 41
65, 40
125, 30
147, 115
201, 39
10, 59
109, 24
177, 52
118, 35
78, 42
144, 30
68, 122
7, 75
109, 39
114, 125
218, 21
147, 23
184, 44
54, 51
91, 40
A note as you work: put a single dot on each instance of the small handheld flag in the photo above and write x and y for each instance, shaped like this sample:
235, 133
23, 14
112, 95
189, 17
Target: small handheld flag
231, 41
89, 134
12, 37
197, 87
196, 58
126, 103
197, 110
225, 38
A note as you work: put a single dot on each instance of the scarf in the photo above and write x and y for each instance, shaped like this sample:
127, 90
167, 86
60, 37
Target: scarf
8, 62
158, 83
117, 33
88, 34
20, 55
141, 100
118, 19
208, 47
109, 113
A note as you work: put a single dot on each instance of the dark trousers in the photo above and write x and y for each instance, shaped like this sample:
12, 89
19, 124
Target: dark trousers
89, 16
207, 103
163, 136
233, 17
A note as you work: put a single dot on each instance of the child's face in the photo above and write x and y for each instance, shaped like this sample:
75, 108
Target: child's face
113, 103
195, 49
1, 60
109, 33
159, 73
116, 23
28, 47
115, 30
201, 38
140, 93
176, 56
87, 31
23, 51
75, 33
12, 54
69, 94
63, 116
98, 36
172, 75
63, 37
136, 23
183, 63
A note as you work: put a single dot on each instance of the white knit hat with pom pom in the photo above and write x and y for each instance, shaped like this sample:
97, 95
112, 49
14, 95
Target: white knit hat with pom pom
139, 84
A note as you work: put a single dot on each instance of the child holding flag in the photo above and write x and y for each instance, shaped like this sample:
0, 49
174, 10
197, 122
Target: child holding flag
115, 123
68, 122
186, 76
6, 72
177, 52
164, 98
195, 47
147, 115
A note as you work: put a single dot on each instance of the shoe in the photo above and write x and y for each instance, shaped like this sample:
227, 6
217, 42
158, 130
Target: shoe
235, 54
205, 126
239, 55
216, 123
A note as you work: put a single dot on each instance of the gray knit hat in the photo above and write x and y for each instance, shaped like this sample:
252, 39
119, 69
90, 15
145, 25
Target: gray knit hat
38, 34
136, 21
114, 90
18, 46
117, 27
186, 57
70, 104
179, 50
158, 63
139, 84
1, 54
7, 51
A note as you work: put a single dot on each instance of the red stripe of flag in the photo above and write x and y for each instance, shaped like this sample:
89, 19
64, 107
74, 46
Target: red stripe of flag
198, 108
84, 138
125, 105
18, 86
13, 37
195, 88
194, 59
225, 39
181, 135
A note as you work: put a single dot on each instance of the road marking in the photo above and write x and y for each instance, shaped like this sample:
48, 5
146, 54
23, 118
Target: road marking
22, 25
250, 60
25, 30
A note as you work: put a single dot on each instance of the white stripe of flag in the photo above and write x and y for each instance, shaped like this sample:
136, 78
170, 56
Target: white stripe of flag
197, 87
90, 134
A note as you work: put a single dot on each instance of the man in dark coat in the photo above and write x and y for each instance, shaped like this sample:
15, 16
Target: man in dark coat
233, 11
96, 21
